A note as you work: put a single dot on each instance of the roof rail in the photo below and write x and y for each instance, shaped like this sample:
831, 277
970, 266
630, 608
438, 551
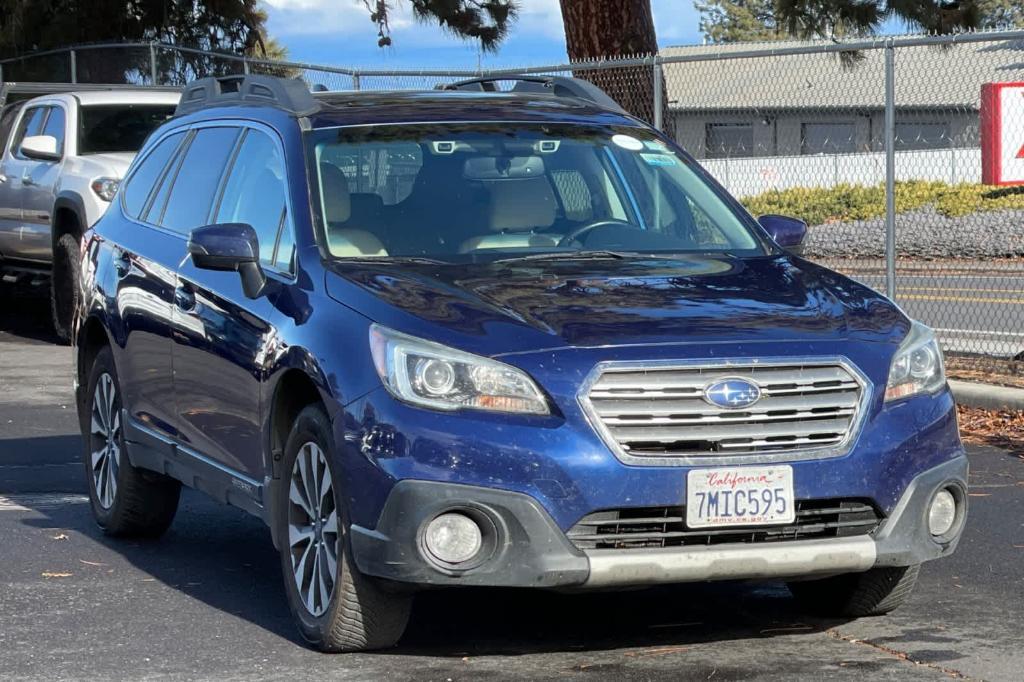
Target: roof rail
558, 86
289, 94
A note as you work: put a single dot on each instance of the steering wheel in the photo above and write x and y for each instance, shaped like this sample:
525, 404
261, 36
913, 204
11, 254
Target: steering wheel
584, 229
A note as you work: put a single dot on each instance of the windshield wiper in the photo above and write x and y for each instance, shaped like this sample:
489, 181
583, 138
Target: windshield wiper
393, 259
571, 255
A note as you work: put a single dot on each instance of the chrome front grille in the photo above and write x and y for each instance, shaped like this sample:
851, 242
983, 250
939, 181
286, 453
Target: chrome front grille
665, 526
660, 411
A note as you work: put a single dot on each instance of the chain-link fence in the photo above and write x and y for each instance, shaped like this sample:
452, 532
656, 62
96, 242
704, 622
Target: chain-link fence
884, 147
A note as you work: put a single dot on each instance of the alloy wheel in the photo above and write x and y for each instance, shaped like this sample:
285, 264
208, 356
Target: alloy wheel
313, 528
105, 458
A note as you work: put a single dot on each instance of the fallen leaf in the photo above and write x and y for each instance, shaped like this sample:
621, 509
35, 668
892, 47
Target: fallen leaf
56, 574
61, 536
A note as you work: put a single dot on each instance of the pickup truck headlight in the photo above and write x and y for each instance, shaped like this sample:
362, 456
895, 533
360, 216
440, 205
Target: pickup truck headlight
431, 375
105, 188
917, 366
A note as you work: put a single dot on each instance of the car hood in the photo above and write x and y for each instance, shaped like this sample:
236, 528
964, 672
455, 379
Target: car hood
113, 164
521, 306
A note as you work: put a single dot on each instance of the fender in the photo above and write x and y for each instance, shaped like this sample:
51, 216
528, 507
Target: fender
71, 201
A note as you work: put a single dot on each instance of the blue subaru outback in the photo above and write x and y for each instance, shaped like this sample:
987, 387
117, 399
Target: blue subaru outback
496, 336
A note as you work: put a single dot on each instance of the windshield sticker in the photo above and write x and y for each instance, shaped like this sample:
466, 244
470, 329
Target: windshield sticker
628, 142
659, 159
656, 145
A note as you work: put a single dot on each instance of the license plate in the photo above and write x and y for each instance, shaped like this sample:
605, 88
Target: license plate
744, 496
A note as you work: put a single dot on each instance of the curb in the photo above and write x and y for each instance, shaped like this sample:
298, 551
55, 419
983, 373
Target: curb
987, 396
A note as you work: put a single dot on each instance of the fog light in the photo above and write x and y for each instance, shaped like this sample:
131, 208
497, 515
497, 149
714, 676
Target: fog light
942, 514
453, 538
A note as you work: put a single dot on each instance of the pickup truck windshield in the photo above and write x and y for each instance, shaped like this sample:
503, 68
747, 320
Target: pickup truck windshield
107, 128
460, 192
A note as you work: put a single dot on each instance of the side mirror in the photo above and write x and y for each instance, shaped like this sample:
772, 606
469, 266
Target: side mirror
787, 232
229, 246
41, 147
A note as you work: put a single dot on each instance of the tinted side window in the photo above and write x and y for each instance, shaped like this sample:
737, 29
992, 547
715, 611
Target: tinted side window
147, 174
188, 205
55, 127
31, 124
255, 194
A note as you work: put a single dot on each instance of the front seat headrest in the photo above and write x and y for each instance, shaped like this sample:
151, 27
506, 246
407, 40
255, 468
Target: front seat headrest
334, 194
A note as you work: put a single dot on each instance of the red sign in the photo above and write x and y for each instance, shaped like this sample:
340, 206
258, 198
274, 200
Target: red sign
1002, 134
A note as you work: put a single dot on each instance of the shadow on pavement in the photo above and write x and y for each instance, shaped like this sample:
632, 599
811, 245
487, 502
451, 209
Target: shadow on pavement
25, 313
224, 558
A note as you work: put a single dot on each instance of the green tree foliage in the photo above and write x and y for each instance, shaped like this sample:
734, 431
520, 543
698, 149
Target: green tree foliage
738, 21
484, 21
724, 21
224, 25
1003, 14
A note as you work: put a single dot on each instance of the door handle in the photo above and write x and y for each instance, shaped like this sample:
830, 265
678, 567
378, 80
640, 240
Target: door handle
3, 178
27, 180
122, 263
184, 299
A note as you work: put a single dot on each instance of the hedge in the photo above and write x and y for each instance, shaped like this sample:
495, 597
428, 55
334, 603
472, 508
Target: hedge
844, 203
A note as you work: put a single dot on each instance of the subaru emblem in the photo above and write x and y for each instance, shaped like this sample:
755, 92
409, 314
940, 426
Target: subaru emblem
732, 394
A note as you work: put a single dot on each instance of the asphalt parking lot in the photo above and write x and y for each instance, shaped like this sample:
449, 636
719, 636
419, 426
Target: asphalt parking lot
206, 601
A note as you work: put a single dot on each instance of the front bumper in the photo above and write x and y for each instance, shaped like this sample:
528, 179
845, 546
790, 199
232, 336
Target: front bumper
531, 551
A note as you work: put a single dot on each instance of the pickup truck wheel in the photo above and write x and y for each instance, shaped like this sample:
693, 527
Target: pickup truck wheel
64, 288
872, 593
125, 501
336, 607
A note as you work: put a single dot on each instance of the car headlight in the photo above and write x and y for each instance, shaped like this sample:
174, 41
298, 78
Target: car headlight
442, 378
105, 188
917, 365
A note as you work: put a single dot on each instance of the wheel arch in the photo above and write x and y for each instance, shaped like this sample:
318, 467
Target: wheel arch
68, 216
91, 339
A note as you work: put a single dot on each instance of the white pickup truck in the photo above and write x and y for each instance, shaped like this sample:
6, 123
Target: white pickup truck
63, 157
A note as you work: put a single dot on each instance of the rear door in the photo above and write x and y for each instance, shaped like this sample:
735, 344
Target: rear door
221, 336
10, 204
12, 227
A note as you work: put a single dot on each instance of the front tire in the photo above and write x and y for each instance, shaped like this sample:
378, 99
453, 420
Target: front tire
875, 592
335, 606
125, 501
65, 294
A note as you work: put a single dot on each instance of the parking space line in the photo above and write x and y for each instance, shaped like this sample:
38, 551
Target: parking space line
38, 501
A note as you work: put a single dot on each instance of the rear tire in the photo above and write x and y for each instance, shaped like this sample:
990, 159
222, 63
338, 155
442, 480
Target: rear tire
125, 501
65, 294
872, 593
336, 607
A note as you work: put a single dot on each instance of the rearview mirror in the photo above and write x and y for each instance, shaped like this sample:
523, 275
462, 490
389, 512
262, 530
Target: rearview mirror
41, 147
787, 232
229, 246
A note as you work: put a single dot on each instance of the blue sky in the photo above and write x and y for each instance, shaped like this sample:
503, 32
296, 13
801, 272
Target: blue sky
339, 32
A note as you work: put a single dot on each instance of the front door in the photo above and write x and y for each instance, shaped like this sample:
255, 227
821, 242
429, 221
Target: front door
39, 190
221, 336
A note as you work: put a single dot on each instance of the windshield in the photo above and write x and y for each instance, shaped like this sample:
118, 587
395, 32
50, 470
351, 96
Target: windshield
476, 191
118, 127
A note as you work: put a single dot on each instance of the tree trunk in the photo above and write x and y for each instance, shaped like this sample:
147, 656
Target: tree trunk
607, 29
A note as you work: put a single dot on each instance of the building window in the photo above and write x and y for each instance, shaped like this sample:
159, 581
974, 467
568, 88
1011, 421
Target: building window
724, 140
828, 138
930, 135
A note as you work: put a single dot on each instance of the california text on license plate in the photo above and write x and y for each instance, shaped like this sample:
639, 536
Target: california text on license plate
743, 496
